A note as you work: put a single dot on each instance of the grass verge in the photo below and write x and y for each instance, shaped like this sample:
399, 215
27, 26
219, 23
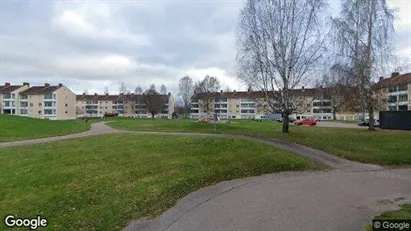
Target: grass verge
104, 182
403, 213
388, 148
13, 128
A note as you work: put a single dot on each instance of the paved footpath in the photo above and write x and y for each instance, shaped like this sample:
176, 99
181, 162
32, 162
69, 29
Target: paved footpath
344, 198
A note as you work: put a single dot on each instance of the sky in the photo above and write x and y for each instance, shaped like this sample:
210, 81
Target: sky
93, 44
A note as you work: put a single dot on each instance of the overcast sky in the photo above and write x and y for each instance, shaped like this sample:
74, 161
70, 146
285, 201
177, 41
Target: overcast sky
93, 44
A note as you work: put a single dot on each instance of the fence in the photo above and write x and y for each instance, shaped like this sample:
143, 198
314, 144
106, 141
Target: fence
399, 120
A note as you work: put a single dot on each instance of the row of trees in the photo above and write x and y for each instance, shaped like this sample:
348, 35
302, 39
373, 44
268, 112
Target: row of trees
283, 42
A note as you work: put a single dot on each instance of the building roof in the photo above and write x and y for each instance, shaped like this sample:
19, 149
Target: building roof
7, 89
394, 81
132, 97
253, 94
40, 90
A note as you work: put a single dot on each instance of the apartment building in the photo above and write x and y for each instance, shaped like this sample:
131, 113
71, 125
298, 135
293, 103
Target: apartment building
124, 105
396, 91
43, 102
10, 98
307, 103
48, 102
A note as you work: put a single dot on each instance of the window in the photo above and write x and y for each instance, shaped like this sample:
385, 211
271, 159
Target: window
49, 112
403, 87
23, 97
66, 105
66, 112
238, 105
23, 104
39, 104
308, 105
403, 98
13, 96
233, 117
392, 89
392, 99
392, 108
48, 96
6, 103
7, 96
54, 96
31, 104
23, 111
403, 108
48, 104
39, 112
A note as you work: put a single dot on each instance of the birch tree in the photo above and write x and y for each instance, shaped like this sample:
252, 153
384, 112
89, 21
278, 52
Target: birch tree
364, 31
280, 43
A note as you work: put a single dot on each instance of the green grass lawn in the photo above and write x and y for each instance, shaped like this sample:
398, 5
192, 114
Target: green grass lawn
14, 128
104, 182
391, 148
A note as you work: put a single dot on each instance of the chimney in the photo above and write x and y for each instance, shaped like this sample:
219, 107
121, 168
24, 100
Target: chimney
60, 84
195, 92
26, 84
7, 84
84, 93
395, 74
106, 93
221, 91
95, 94
208, 91
121, 93
234, 91
132, 93
47, 85
169, 93
302, 88
381, 78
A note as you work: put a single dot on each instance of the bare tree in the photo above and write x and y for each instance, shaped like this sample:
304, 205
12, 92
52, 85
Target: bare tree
364, 35
106, 92
123, 88
152, 88
280, 43
185, 91
123, 92
163, 89
205, 90
138, 90
155, 102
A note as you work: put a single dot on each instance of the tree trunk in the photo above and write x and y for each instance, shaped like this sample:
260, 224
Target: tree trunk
152, 115
371, 120
334, 114
286, 123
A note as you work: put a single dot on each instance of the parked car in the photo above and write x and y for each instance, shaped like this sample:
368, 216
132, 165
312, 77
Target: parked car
366, 122
309, 122
290, 119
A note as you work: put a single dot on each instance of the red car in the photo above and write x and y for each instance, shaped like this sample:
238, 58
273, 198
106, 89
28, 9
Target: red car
309, 122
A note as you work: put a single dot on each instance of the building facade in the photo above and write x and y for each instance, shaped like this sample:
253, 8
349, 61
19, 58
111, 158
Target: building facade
125, 105
43, 102
307, 103
396, 92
